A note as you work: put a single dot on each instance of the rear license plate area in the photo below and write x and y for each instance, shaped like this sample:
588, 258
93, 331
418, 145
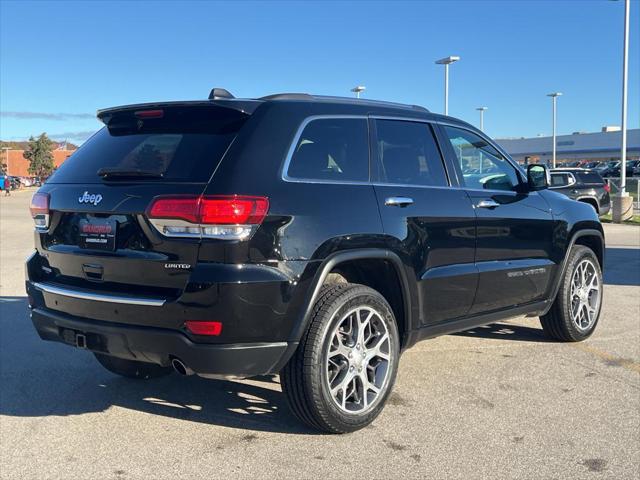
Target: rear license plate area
97, 233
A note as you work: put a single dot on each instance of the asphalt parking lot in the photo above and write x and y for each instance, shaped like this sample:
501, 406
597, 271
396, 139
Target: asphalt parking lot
494, 402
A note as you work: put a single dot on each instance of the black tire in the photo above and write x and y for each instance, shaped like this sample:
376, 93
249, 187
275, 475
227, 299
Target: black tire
305, 378
131, 368
558, 322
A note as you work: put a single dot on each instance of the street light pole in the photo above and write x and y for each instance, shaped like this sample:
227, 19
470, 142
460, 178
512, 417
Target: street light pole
625, 76
446, 62
554, 96
482, 110
358, 89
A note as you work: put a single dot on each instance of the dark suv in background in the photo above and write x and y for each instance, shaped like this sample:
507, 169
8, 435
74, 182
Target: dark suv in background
583, 185
315, 237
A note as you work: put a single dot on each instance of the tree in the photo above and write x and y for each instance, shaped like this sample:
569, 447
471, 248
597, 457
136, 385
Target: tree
39, 155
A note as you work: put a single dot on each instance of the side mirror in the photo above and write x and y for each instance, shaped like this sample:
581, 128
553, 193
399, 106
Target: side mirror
537, 177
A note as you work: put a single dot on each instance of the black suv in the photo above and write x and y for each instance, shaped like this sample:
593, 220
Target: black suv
315, 237
583, 185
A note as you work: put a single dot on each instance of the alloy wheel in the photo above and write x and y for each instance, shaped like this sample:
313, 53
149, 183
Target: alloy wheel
586, 293
358, 360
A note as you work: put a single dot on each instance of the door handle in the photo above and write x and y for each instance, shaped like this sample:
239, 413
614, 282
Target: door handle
398, 201
487, 204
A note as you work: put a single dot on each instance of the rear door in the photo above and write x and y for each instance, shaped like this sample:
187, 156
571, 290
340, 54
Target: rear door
514, 227
429, 224
99, 235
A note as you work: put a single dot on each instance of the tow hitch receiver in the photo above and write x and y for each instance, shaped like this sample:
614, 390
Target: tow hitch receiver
81, 341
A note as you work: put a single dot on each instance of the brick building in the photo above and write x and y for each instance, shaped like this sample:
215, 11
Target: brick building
18, 166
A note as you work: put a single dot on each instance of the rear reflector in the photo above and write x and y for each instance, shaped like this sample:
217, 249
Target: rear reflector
40, 210
233, 217
204, 327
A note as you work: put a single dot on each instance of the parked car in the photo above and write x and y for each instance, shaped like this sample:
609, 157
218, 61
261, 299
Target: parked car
582, 185
590, 165
573, 164
632, 168
27, 181
14, 181
315, 237
608, 169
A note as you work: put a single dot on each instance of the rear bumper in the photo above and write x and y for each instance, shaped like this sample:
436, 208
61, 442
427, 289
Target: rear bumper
159, 346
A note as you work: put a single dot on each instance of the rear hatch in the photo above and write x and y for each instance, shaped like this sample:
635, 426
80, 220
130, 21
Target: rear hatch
592, 184
99, 236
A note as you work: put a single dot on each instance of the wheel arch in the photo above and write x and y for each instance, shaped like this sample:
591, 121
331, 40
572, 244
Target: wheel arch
591, 238
332, 264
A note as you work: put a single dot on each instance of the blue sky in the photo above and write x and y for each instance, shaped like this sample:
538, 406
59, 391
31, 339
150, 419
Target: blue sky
60, 61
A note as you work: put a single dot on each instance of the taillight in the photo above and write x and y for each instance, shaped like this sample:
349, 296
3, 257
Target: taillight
200, 327
40, 210
607, 187
232, 217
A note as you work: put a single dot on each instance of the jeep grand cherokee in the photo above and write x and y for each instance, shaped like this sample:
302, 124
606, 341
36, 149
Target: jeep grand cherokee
315, 237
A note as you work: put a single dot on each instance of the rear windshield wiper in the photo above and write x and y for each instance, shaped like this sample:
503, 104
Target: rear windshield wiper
114, 172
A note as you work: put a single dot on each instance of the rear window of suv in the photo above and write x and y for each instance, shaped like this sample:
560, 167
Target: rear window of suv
184, 145
590, 178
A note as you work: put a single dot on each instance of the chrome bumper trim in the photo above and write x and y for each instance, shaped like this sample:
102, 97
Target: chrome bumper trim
98, 297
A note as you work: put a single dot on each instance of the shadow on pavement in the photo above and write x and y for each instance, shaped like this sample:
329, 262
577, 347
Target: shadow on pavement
506, 331
43, 378
622, 266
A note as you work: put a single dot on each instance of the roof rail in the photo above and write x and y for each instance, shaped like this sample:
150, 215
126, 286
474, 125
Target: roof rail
217, 93
288, 96
349, 100
367, 101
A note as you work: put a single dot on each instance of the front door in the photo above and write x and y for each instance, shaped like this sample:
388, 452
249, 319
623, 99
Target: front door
514, 226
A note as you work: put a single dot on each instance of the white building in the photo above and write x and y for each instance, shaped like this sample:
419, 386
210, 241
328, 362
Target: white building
602, 146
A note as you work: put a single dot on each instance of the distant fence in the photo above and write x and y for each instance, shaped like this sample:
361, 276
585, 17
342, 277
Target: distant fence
633, 188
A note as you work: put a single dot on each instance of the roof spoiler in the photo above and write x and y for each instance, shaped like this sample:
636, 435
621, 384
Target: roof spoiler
246, 107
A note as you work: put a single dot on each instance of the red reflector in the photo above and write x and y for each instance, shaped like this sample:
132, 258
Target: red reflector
212, 210
39, 204
204, 328
149, 113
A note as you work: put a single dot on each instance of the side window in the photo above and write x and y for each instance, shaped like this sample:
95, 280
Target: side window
560, 180
483, 167
332, 149
408, 154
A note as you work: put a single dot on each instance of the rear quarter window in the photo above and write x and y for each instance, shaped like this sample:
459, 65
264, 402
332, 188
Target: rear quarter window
332, 149
560, 179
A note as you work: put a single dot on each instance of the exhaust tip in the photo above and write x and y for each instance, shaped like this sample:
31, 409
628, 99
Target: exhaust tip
180, 367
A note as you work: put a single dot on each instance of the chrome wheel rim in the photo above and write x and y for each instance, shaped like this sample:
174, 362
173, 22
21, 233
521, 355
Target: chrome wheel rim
585, 295
358, 360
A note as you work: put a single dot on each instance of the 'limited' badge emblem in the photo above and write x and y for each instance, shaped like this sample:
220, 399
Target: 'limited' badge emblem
92, 198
